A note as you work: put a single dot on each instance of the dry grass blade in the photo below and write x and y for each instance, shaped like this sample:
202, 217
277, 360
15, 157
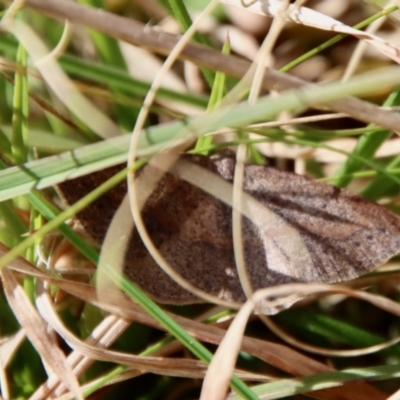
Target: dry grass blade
216, 382
102, 336
133, 32
37, 332
150, 364
8, 345
277, 355
395, 396
309, 17
94, 348
132, 373
222, 365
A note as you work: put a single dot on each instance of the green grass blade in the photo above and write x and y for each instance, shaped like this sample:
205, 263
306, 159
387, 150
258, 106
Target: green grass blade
173, 328
336, 39
109, 75
289, 387
50, 171
110, 54
216, 96
20, 110
181, 14
382, 185
366, 148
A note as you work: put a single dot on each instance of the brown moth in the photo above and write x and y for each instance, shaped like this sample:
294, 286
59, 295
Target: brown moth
344, 234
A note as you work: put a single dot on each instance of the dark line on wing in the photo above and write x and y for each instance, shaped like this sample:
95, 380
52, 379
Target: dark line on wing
278, 203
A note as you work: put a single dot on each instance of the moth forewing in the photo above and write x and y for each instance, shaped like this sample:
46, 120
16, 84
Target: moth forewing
294, 229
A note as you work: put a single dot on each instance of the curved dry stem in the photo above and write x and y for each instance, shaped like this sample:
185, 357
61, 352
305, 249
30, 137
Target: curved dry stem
216, 382
133, 187
61, 46
237, 221
324, 351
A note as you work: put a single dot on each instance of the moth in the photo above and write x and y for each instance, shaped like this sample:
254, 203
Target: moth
320, 234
